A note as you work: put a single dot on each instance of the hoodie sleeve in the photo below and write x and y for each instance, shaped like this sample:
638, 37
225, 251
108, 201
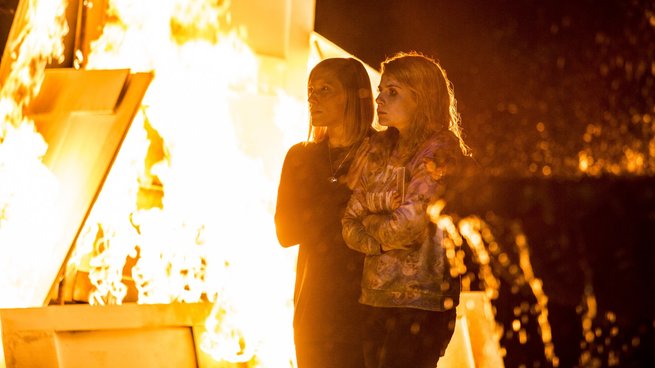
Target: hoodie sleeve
408, 224
354, 232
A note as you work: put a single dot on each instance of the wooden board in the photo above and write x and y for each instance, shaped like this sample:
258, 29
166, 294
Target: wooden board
130, 335
83, 117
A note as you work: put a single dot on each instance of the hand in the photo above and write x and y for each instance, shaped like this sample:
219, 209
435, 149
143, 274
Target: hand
395, 201
385, 248
372, 222
387, 201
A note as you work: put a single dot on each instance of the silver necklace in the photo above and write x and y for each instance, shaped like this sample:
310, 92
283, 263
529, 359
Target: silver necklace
333, 177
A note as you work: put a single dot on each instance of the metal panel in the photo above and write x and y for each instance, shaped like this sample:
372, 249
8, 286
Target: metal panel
83, 117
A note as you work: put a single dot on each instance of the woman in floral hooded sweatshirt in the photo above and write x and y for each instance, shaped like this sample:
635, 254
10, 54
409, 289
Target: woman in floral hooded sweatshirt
406, 279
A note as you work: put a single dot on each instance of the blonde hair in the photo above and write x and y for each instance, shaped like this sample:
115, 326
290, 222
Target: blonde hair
359, 98
436, 109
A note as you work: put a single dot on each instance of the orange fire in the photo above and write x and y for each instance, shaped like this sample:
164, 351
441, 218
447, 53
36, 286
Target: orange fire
27, 189
211, 237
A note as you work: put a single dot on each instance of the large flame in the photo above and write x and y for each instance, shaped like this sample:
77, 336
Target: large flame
27, 188
211, 237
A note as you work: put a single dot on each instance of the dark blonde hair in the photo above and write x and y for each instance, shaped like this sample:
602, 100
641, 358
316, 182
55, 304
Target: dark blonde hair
359, 98
436, 110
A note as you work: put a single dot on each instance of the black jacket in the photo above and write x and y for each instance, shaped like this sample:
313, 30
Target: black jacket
308, 212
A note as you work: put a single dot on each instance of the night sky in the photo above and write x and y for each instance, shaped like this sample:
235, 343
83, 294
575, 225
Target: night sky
543, 86
577, 67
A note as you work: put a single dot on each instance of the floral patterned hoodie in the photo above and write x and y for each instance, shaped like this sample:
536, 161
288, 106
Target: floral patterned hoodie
386, 219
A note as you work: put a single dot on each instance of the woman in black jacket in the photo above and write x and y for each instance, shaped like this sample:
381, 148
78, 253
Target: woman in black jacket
312, 196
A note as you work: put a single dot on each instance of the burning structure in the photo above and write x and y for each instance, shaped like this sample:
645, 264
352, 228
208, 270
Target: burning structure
140, 148
112, 114
137, 168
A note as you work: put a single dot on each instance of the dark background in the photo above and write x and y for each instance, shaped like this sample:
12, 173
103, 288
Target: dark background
540, 84
516, 63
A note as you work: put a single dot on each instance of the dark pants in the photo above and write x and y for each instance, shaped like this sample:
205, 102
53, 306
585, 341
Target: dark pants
407, 337
329, 355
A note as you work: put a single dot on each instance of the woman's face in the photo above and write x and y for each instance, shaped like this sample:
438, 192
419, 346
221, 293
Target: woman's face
396, 104
327, 99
